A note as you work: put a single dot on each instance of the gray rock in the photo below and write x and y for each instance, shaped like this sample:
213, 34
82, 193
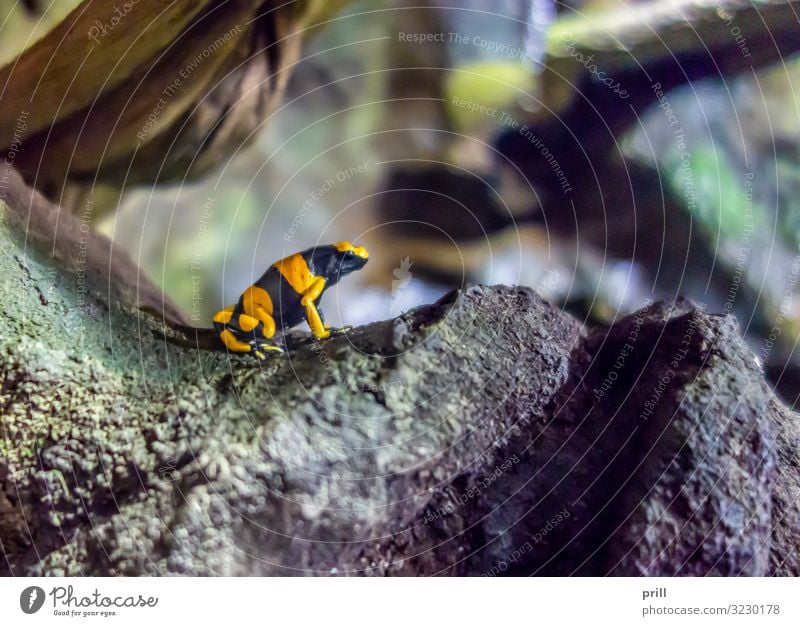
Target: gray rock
484, 434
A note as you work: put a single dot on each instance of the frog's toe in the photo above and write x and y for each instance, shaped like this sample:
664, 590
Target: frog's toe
260, 350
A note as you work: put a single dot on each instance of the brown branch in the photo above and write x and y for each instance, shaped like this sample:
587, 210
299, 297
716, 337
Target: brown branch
164, 94
107, 271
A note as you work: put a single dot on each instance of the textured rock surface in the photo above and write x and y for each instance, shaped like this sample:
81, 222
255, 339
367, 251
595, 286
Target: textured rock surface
657, 456
485, 434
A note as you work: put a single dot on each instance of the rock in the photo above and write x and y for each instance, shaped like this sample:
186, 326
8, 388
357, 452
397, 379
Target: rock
476, 435
664, 453
485, 434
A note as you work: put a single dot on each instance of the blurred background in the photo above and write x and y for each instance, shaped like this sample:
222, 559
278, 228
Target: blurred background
503, 142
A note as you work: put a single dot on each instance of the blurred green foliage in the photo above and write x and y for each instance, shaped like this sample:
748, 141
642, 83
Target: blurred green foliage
710, 188
19, 28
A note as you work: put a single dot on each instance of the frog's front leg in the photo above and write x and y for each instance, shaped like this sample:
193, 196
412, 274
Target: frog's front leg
325, 325
313, 317
333, 331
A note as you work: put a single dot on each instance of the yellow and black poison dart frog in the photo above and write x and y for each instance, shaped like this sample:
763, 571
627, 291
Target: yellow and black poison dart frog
285, 295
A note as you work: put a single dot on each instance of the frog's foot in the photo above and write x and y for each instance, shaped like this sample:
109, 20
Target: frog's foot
340, 331
333, 332
260, 349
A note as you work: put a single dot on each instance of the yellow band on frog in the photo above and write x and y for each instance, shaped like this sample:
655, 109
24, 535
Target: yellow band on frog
295, 270
345, 246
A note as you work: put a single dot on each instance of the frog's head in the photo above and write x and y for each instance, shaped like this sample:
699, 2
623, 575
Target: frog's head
349, 258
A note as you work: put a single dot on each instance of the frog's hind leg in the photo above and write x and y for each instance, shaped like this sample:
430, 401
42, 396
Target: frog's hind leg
232, 343
242, 333
222, 318
250, 324
258, 348
221, 321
